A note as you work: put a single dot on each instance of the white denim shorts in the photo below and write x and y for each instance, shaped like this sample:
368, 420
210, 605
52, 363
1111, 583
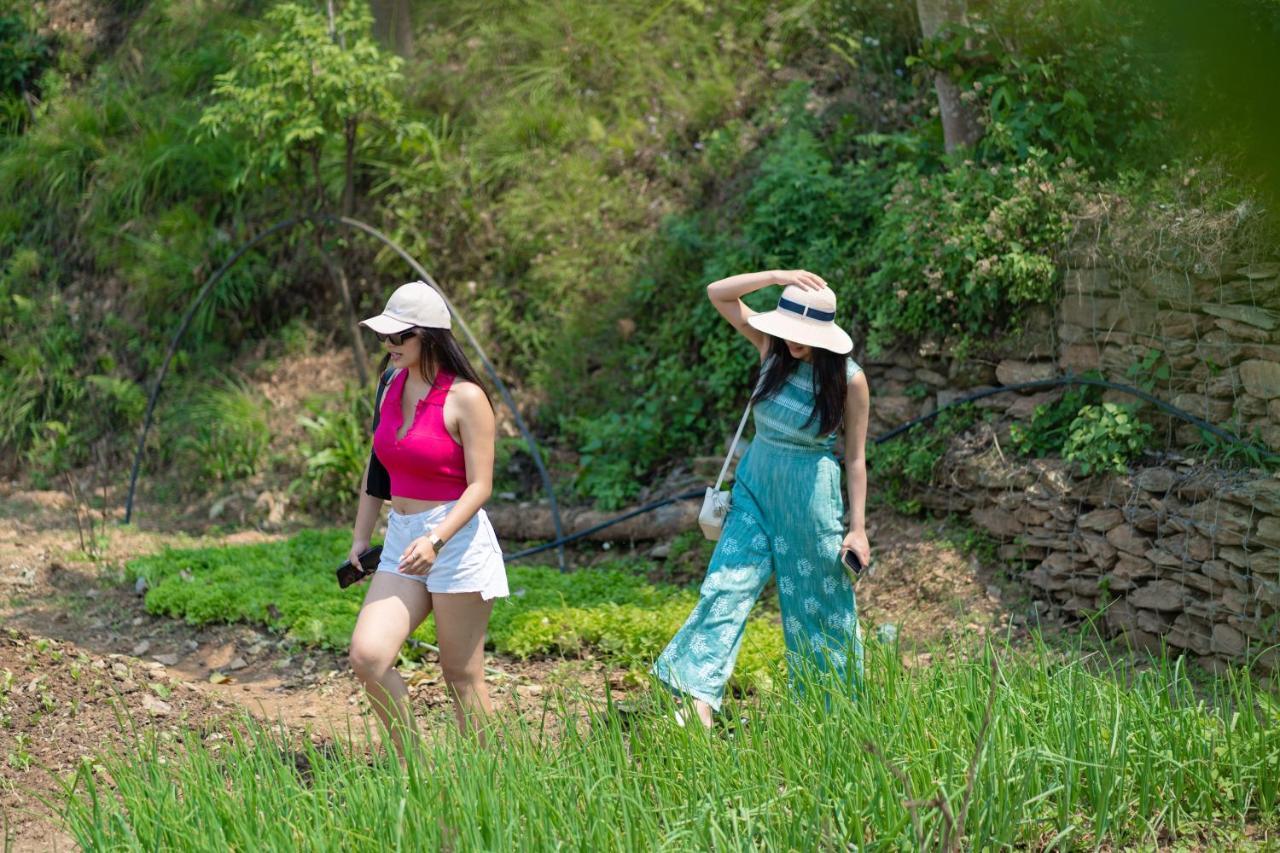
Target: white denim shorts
470, 561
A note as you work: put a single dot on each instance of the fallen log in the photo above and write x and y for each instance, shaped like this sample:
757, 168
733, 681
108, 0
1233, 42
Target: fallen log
524, 522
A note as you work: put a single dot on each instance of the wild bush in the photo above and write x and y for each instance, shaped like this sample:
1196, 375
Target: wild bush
957, 253
24, 54
1106, 437
60, 395
221, 433
335, 451
305, 86
904, 465
1078, 80
1050, 425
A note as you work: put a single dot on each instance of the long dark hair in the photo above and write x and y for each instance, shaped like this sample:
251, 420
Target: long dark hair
440, 351
829, 380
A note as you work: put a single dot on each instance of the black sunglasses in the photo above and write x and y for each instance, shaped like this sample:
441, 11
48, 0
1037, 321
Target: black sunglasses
396, 338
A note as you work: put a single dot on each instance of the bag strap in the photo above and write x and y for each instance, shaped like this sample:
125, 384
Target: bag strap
724, 469
377, 400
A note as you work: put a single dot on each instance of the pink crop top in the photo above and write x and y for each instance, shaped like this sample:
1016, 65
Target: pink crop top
427, 464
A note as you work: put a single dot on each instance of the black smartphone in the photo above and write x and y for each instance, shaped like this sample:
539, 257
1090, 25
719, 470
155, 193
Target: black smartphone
852, 564
349, 574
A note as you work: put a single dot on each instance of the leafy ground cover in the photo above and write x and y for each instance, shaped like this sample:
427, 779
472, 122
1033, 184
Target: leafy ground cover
991, 749
288, 586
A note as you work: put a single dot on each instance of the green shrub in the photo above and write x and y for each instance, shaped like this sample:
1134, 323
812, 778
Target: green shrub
38, 382
60, 395
1074, 78
23, 55
605, 473
1105, 438
335, 450
300, 89
901, 467
957, 253
1051, 423
223, 433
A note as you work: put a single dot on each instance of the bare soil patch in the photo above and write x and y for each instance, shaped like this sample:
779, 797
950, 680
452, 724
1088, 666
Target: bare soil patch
61, 706
931, 591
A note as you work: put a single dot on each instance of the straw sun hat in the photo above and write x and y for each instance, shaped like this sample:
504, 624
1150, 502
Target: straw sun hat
805, 317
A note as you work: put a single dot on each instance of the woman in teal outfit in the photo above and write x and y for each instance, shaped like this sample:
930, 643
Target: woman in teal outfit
787, 509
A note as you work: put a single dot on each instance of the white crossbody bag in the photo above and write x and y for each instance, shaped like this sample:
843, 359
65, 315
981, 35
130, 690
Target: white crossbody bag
715, 504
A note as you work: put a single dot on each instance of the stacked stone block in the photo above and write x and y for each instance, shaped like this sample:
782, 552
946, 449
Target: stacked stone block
1182, 554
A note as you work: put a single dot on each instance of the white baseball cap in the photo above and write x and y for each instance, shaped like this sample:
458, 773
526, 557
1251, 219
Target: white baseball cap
806, 317
413, 305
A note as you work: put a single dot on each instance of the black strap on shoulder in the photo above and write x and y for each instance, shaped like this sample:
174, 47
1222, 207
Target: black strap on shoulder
378, 481
383, 382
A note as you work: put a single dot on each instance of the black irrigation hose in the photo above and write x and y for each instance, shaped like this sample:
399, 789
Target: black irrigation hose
1072, 379
421, 271
561, 540
1057, 382
173, 349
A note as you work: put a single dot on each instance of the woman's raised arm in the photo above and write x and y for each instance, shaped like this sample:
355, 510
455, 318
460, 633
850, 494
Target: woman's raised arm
726, 294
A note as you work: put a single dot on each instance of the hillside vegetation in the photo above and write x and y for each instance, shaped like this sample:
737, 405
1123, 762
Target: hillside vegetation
572, 173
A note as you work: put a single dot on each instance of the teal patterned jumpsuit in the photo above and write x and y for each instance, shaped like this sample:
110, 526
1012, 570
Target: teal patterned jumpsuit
785, 517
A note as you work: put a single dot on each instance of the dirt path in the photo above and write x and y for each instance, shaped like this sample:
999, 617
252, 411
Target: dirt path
79, 653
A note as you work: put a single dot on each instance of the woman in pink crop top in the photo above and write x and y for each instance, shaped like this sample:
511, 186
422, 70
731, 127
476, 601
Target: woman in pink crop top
434, 435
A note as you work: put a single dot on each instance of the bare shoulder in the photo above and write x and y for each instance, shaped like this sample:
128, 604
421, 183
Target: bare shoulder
470, 395
859, 392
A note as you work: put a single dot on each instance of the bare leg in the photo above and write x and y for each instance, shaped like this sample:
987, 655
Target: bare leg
703, 710
461, 621
393, 608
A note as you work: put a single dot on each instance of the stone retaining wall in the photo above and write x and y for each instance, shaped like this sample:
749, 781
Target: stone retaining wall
1183, 553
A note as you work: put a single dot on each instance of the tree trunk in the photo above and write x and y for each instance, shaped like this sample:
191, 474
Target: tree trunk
959, 123
349, 185
339, 276
336, 272
317, 177
392, 25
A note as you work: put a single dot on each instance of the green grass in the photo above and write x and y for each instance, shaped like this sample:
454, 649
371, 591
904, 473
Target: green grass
289, 586
1065, 756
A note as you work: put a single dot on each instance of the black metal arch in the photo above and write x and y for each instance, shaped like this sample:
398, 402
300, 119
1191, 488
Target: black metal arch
421, 271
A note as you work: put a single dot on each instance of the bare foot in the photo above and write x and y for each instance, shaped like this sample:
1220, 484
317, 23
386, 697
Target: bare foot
703, 710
